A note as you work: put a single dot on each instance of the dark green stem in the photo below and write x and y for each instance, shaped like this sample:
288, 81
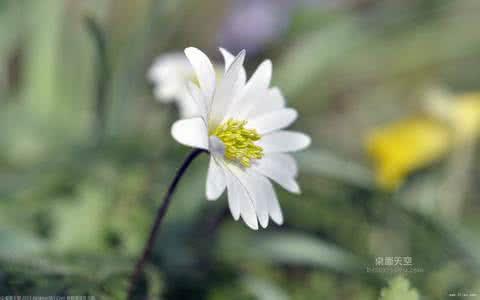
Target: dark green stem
147, 251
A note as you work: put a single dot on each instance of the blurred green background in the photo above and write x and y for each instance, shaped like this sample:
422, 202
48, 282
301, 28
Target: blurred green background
86, 152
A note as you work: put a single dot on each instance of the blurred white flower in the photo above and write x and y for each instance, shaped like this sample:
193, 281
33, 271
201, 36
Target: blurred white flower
170, 74
241, 124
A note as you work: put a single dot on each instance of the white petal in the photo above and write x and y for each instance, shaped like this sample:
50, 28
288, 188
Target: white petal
274, 209
262, 76
236, 194
261, 191
225, 91
240, 199
274, 100
198, 98
215, 180
203, 69
265, 198
187, 106
276, 170
191, 132
216, 147
273, 121
256, 187
228, 58
265, 192
255, 90
285, 160
284, 141
247, 211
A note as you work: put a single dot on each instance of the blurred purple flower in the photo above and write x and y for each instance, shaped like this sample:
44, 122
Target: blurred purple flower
254, 24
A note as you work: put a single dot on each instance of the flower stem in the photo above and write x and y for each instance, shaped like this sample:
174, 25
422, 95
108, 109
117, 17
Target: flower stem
147, 251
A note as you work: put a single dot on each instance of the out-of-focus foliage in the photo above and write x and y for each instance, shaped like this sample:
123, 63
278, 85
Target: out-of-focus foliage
399, 289
86, 152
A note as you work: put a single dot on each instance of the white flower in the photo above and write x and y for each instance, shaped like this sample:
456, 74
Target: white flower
170, 74
241, 125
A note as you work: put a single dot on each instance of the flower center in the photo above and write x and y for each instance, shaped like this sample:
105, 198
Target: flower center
238, 141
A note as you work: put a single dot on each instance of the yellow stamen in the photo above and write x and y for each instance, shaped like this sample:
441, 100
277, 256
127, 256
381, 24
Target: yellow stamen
239, 142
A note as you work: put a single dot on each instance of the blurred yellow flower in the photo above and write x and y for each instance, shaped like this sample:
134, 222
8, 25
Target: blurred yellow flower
404, 146
463, 114
407, 145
